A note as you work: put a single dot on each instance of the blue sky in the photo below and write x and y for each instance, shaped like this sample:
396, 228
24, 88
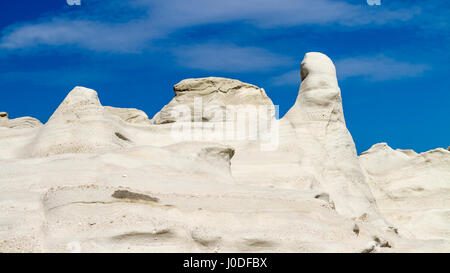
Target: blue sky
392, 59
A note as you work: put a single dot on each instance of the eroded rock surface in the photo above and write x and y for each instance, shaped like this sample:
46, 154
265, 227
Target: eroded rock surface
207, 99
18, 123
130, 115
96, 179
79, 125
328, 151
412, 190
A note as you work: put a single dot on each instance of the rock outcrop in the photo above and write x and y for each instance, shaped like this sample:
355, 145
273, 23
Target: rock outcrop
79, 125
130, 115
18, 123
412, 190
328, 150
207, 99
96, 179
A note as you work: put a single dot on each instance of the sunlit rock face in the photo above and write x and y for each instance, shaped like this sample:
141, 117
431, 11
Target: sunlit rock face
95, 178
329, 154
18, 123
130, 115
211, 96
412, 190
79, 125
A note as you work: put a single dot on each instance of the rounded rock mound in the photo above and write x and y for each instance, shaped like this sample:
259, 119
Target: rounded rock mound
210, 96
79, 125
18, 123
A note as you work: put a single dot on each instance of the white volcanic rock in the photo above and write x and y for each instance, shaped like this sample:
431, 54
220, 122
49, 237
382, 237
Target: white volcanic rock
18, 123
15, 134
79, 125
213, 95
130, 115
327, 148
105, 179
213, 154
412, 190
158, 200
23, 122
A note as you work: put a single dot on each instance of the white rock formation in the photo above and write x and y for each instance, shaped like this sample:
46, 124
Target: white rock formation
79, 125
96, 179
412, 190
328, 151
18, 123
15, 133
213, 96
130, 115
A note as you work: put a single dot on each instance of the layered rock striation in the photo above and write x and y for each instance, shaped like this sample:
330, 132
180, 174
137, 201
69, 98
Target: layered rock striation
95, 178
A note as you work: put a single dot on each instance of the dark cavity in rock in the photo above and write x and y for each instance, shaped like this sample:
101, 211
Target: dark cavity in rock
124, 194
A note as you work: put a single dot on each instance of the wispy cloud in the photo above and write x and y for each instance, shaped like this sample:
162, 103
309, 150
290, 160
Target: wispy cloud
267, 13
378, 68
94, 30
229, 58
288, 78
85, 34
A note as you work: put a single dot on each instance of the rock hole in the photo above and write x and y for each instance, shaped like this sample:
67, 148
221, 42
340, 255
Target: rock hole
393, 229
124, 194
259, 243
323, 196
122, 137
370, 249
142, 236
326, 197
356, 229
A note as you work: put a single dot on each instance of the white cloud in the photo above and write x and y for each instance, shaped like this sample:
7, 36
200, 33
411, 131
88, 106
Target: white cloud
267, 13
288, 78
160, 18
377, 68
85, 34
228, 58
